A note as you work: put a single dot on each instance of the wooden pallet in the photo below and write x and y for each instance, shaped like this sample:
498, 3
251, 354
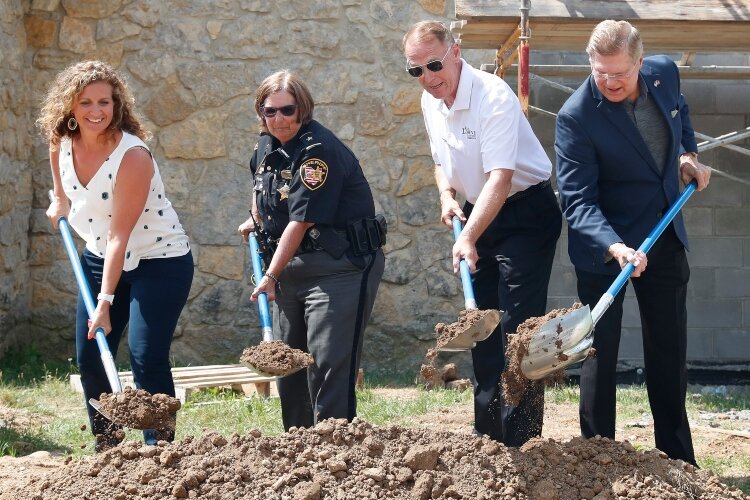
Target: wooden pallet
189, 379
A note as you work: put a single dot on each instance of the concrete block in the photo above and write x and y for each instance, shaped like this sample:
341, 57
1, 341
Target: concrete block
725, 59
746, 313
730, 162
732, 283
700, 344
714, 313
733, 344
746, 253
701, 98
631, 345
699, 221
715, 252
708, 122
732, 97
701, 282
631, 316
562, 281
732, 221
561, 302
722, 192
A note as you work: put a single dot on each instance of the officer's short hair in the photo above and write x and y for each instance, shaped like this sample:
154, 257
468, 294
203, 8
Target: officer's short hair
612, 37
285, 80
425, 30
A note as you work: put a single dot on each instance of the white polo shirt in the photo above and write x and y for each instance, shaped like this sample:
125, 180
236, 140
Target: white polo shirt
484, 130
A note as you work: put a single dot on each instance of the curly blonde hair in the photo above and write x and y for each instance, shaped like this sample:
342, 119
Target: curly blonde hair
61, 95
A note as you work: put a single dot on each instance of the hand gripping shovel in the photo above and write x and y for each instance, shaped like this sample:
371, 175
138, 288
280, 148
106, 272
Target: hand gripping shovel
101, 338
566, 340
487, 322
265, 316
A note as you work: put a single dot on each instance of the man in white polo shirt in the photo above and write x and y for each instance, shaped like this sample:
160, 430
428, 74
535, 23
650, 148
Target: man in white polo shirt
484, 150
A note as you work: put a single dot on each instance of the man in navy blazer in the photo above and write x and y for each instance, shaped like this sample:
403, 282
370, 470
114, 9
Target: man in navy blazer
624, 142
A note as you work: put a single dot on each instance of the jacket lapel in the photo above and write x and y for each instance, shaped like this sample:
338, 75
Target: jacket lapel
615, 113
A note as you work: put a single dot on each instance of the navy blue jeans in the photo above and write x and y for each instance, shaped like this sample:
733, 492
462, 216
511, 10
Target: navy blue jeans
149, 300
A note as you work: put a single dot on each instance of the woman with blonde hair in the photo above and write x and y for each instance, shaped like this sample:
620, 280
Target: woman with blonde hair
137, 259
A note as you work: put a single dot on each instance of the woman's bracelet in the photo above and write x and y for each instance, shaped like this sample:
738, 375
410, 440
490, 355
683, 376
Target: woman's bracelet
272, 277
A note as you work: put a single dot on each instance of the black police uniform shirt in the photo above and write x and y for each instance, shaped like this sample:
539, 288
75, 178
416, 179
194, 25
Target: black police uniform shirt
313, 178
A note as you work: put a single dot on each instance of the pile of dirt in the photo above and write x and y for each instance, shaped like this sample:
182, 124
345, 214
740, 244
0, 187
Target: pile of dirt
274, 357
340, 460
432, 377
138, 409
466, 319
514, 382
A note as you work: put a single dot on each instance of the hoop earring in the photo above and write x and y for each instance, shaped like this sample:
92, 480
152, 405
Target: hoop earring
72, 123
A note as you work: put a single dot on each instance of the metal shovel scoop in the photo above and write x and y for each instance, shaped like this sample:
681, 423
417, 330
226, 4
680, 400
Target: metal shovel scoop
567, 339
263, 309
489, 320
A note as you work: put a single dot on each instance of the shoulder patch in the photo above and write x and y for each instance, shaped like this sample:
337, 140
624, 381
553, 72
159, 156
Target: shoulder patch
313, 173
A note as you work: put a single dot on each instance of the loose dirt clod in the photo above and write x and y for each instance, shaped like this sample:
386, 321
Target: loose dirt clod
138, 409
276, 358
466, 319
514, 381
341, 460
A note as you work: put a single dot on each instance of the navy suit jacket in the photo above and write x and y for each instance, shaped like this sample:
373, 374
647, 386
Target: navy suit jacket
610, 188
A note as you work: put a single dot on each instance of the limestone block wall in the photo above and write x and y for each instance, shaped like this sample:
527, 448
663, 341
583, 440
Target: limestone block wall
15, 175
194, 67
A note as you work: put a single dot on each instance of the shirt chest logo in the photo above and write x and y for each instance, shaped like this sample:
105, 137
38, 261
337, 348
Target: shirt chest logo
467, 133
313, 173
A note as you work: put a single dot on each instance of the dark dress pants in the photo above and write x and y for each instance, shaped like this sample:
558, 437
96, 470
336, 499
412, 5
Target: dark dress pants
515, 260
661, 292
322, 307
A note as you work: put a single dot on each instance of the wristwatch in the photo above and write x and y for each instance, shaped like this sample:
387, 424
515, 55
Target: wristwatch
106, 296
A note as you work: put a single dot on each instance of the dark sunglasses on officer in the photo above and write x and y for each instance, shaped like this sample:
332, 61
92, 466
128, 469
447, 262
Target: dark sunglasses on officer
434, 66
270, 111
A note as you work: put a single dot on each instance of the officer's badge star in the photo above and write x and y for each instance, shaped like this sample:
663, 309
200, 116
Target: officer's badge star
284, 192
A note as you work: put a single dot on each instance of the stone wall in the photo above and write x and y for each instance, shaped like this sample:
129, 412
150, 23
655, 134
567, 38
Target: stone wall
15, 175
194, 67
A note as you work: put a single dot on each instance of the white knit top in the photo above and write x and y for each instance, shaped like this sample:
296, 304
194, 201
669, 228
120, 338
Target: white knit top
157, 234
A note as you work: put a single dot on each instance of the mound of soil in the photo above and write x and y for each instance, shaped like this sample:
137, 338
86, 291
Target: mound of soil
276, 358
138, 409
341, 460
466, 319
514, 382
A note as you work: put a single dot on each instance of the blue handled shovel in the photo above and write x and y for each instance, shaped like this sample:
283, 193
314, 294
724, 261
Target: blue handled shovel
263, 308
567, 339
101, 338
488, 321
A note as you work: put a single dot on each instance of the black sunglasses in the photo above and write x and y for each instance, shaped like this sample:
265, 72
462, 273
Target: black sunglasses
434, 66
270, 112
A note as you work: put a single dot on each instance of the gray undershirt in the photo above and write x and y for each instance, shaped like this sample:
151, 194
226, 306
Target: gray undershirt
650, 123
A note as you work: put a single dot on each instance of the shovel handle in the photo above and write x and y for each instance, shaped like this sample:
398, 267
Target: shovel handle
101, 338
469, 301
265, 316
624, 275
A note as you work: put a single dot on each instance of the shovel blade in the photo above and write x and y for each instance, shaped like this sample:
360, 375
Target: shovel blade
477, 332
560, 342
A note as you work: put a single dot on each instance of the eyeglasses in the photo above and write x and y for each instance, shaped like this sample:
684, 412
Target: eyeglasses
434, 66
270, 112
616, 76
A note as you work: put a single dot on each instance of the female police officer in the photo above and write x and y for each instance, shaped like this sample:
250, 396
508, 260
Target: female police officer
318, 216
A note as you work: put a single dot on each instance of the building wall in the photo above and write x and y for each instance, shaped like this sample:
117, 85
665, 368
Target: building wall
194, 67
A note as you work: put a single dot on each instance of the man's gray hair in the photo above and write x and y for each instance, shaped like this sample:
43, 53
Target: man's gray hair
424, 30
613, 37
